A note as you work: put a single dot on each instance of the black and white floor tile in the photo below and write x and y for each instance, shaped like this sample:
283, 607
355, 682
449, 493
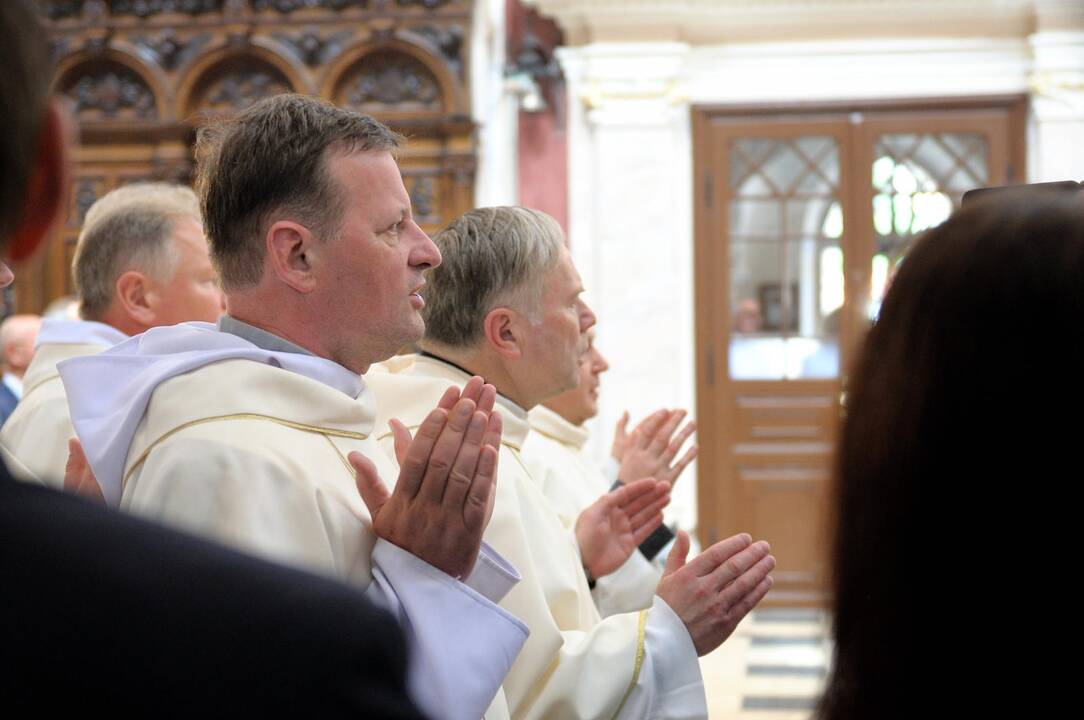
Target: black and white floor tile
772, 668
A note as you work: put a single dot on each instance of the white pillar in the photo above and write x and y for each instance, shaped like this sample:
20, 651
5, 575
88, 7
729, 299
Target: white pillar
1057, 104
495, 109
631, 229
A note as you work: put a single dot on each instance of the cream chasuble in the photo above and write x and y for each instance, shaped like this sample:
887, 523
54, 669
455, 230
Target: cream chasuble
554, 455
575, 664
37, 433
251, 451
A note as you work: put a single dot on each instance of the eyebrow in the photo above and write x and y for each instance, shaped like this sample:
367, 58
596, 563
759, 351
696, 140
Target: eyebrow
404, 213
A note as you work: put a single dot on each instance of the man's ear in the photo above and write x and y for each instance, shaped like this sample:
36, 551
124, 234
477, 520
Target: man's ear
505, 332
289, 252
134, 293
47, 189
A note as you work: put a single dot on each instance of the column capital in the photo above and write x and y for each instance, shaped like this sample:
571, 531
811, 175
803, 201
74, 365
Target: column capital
627, 83
1057, 76
709, 22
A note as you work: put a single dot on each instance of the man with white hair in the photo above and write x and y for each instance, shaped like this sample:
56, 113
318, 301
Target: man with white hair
555, 454
141, 261
251, 432
505, 304
17, 334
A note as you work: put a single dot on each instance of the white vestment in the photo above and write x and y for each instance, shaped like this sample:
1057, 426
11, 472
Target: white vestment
206, 431
37, 433
554, 453
575, 664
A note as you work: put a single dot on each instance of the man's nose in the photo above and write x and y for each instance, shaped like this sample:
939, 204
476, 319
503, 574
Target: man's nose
587, 318
426, 252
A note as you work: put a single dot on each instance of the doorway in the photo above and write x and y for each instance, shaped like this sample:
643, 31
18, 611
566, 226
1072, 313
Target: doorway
801, 215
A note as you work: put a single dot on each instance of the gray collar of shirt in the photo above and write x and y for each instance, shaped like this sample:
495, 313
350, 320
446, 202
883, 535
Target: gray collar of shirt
260, 338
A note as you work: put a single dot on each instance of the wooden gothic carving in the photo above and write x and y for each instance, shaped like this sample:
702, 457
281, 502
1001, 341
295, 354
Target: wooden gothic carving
142, 75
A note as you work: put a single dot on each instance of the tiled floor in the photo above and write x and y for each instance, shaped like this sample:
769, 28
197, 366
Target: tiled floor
771, 668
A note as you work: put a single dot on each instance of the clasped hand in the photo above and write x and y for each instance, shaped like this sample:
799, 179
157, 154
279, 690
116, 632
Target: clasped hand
609, 530
650, 449
444, 496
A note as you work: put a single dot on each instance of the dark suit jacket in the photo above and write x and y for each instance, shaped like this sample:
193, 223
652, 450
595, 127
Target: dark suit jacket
8, 401
101, 611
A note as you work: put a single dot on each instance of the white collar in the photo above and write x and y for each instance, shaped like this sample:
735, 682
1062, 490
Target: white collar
59, 331
14, 383
547, 422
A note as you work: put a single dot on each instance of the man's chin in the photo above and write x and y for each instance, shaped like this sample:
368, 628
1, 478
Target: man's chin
415, 331
590, 410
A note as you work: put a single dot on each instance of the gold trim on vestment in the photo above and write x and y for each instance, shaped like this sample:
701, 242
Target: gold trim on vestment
641, 632
349, 467
246, 416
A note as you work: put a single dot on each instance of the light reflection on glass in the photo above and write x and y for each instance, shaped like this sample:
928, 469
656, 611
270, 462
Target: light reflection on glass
786, 260
831, 296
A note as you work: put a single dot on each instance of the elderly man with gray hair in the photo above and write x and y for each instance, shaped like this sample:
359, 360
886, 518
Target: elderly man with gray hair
141, 261
506, 305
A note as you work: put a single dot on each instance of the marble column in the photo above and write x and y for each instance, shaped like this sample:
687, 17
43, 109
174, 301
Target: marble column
631, 229
1057, 104
495, 108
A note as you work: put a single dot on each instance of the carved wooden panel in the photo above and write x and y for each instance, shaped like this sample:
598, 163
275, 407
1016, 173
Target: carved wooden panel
235, 84
142, 74
388, 81
110, 91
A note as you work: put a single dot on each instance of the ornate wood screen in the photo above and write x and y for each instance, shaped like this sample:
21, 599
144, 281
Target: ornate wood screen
141, 75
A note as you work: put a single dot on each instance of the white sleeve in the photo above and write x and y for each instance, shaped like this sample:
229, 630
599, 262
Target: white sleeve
492, 576
461, 643
629, 588
669, 685
611, 468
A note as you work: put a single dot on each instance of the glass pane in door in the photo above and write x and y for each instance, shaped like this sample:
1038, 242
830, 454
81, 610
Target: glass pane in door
786, 260
918, 180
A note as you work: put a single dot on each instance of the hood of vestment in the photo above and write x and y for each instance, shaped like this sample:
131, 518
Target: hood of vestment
194, 373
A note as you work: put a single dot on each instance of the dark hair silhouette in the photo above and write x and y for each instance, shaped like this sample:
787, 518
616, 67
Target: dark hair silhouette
949, 454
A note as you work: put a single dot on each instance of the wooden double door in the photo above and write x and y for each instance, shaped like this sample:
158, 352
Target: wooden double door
801, 218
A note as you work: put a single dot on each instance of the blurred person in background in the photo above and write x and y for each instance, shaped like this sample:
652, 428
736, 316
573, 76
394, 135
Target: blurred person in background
555, 454
17, 335
141, 261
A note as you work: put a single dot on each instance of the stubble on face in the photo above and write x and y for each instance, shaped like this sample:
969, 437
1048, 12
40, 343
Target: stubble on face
376, 263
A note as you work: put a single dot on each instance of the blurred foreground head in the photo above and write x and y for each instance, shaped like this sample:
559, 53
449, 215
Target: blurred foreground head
951, 453
32, 157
